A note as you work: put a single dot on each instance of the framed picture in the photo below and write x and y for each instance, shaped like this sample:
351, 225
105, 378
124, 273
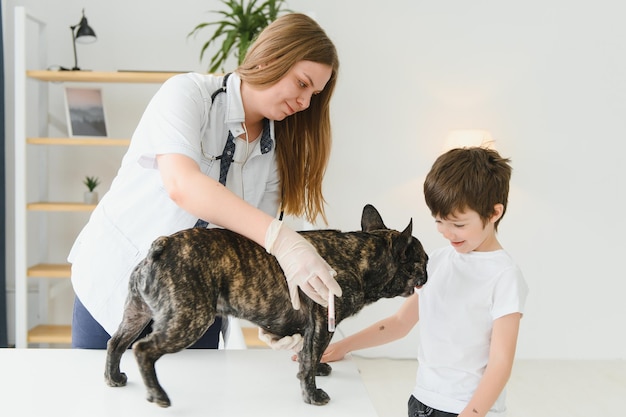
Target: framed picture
85, 112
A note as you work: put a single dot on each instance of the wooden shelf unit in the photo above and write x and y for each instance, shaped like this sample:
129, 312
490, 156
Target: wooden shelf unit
43, 270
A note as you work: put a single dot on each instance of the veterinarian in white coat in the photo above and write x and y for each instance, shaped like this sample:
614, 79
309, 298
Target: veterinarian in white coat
169, 178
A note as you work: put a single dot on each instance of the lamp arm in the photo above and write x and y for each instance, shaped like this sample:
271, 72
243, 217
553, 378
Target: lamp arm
72, 28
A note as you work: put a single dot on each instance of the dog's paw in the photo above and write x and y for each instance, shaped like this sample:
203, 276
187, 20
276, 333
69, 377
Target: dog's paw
323, 369
159, 398
117, 380
317, 397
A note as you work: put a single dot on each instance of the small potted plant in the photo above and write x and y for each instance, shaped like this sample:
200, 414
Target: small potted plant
241, 24
91, 196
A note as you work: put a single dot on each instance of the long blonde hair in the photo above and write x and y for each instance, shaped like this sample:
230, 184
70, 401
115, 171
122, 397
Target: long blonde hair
303, 140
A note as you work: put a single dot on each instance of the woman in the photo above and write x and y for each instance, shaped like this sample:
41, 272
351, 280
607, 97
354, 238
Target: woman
269, 119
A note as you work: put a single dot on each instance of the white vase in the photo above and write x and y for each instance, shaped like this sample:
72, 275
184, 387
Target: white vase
91, 197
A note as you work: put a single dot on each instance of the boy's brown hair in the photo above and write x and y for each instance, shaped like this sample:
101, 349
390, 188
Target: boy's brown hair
472, 178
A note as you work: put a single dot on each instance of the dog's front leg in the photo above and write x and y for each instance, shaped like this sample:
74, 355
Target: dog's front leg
316, 339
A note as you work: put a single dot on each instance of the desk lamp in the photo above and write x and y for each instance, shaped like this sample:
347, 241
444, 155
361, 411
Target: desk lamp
82, 33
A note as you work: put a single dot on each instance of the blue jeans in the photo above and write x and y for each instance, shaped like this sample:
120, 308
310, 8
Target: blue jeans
87, 333
417, 409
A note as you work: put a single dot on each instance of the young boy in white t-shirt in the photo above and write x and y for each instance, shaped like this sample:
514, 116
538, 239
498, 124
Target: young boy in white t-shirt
470, 309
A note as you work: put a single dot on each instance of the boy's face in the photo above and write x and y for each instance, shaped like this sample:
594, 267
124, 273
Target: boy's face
467, 232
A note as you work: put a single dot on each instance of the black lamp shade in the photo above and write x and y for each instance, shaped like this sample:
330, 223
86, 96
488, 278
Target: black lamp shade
85, 33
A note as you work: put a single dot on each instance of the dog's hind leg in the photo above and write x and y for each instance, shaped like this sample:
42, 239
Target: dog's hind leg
170, 334
136, 318
147, 353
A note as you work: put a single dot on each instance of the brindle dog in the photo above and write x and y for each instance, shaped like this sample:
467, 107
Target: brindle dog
191, 276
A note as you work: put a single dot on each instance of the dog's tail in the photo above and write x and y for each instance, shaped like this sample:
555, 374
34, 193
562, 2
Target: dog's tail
158, 247
140, 282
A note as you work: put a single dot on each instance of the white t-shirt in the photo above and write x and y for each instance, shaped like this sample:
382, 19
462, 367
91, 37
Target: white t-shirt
180, 119
464, 294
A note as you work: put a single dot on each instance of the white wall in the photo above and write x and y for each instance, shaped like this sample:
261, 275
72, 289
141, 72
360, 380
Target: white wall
548, 79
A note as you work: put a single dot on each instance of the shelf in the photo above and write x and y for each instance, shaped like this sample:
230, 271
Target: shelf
49, 271
78, 141
50, 333
251, 338
47, 206
101, 76
63, 334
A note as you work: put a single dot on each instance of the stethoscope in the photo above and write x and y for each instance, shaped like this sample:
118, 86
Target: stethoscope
220, 90
210, 157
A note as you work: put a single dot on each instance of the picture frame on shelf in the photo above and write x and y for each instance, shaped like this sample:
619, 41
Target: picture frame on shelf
85, 113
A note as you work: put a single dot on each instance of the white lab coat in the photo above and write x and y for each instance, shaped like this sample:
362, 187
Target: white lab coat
137, 208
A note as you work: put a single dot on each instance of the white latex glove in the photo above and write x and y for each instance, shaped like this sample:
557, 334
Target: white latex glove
293, 342
302, 265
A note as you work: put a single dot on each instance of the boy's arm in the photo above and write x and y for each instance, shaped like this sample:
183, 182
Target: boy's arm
498, 371
387, 330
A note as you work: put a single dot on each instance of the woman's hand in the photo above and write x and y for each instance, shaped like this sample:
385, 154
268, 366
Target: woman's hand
302, 265
293, 342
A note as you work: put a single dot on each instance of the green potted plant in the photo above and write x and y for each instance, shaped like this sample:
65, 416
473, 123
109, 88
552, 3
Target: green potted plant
91, 196
240, 25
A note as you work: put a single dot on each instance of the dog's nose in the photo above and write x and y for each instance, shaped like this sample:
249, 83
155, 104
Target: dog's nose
423, 279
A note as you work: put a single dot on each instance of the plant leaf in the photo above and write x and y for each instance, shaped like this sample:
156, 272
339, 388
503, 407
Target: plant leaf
240, 24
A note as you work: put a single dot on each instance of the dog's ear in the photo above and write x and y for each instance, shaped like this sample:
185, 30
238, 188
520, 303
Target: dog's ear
371, 219
403, 242
408, 232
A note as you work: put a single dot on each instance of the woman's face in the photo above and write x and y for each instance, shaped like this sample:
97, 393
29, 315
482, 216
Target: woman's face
290, 94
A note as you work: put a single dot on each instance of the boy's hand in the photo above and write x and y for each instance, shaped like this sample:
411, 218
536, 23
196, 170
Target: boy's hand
333, 353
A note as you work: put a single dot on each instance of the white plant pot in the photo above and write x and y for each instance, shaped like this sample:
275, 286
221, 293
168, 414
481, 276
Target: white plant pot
91, 197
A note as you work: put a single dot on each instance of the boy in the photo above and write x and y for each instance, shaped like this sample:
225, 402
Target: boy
471, 307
